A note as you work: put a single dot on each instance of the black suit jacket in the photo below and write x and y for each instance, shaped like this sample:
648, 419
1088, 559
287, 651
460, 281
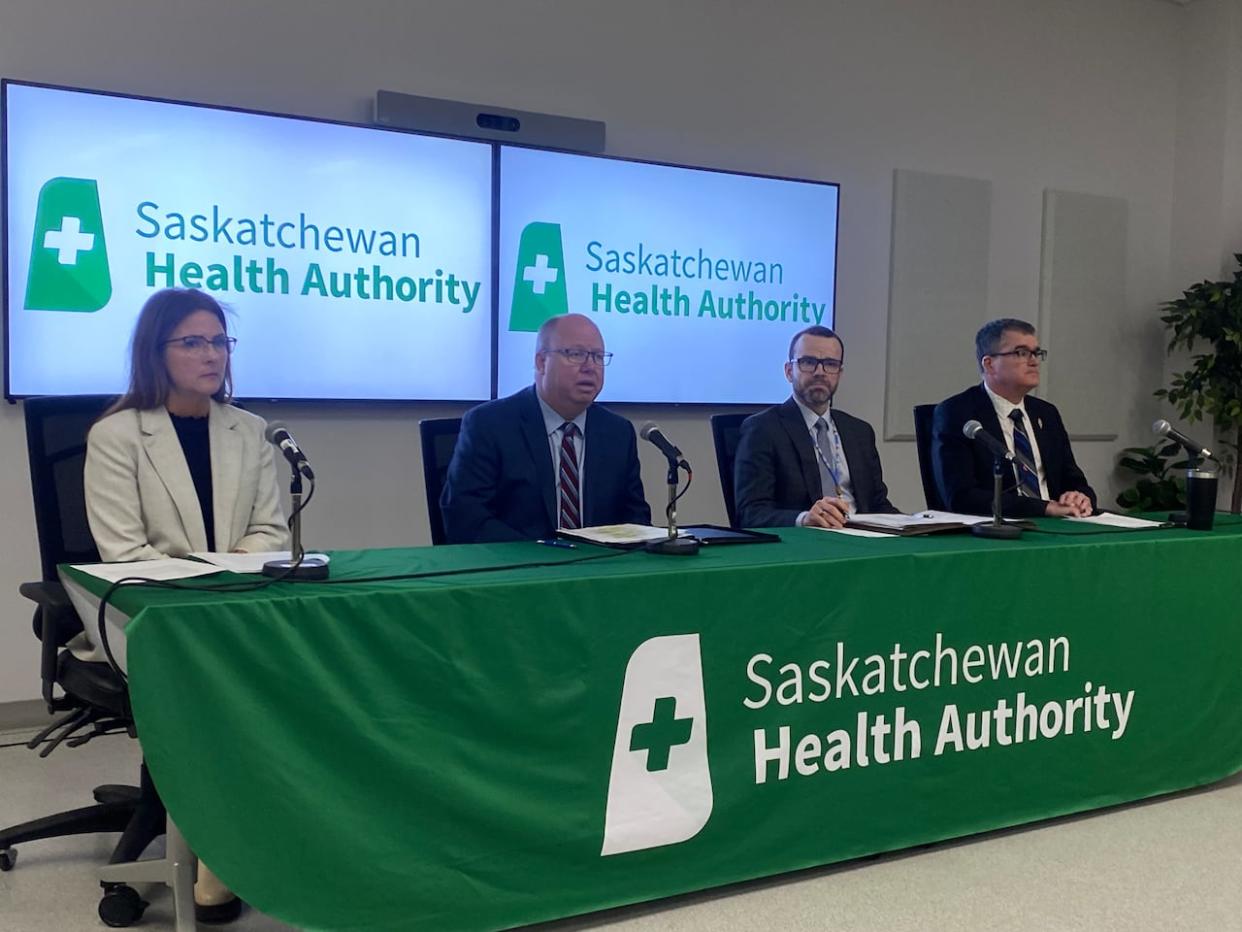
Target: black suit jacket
964, 468
500, 484
776, 475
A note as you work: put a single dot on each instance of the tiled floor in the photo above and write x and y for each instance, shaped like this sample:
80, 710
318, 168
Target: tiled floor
1174, 863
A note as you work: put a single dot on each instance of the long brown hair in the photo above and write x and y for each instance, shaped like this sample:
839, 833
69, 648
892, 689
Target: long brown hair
148, 374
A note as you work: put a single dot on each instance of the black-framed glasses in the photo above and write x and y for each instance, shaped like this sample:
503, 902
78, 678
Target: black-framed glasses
578, 356
809, 364
1025, 353
197, 344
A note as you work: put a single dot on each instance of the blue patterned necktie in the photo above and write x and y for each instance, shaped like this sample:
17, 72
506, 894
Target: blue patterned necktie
1028, 482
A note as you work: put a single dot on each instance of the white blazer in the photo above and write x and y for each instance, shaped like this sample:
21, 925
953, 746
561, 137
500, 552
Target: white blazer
140, 499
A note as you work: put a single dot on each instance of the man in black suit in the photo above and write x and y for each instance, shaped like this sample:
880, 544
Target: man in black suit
1009, 358
546, 457
803, 462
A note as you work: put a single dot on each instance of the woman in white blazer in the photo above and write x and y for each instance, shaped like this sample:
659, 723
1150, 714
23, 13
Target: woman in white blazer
173, 468
173, 444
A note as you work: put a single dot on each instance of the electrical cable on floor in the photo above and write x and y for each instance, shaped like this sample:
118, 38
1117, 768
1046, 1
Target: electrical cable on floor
22, 744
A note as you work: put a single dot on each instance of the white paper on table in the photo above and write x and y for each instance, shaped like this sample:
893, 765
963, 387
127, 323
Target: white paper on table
618, 533
1108, 519
937, 517
168, 568
856, 532
249, 562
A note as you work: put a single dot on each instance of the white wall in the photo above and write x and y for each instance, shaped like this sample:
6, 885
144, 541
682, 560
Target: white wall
1207, 182
1078, 95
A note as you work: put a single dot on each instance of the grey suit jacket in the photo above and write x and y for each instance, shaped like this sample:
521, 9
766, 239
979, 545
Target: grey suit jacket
140, 499
776, 477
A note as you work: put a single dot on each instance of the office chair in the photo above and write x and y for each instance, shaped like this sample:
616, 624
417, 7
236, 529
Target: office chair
726, 428
923, 442
93, 697
438, 436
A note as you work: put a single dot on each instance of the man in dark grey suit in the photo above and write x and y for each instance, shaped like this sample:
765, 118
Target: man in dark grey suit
804, 463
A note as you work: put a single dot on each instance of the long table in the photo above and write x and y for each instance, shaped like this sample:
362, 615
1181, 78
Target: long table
537, 732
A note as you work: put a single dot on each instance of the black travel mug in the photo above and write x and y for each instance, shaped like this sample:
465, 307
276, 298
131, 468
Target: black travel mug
1200, 498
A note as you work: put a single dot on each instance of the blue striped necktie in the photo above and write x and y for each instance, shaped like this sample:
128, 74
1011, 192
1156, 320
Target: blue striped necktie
1028, 482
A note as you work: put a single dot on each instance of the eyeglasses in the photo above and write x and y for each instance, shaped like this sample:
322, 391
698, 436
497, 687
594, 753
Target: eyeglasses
1024, 353
809, 364
197, 344
578, 356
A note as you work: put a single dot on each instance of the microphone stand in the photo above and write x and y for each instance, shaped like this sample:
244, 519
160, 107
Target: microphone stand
998, 529
298, 566
673, 545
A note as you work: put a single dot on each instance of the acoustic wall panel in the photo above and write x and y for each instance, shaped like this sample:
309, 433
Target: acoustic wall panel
1082, 302
938, 290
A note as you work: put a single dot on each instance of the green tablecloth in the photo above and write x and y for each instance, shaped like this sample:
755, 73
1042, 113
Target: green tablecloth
439, 753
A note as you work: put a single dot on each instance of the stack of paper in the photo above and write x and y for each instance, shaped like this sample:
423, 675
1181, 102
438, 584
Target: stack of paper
617, 535
926, 522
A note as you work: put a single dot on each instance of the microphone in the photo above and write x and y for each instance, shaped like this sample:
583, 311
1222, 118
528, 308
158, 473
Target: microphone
277, 433
997, 528
1165, 429
652, 433
974, 431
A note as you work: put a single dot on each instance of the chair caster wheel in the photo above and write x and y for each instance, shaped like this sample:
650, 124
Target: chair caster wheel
8, 857
121, 906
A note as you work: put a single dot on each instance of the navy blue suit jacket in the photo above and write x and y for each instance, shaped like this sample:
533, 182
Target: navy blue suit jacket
500, 484
776, 475
964, 468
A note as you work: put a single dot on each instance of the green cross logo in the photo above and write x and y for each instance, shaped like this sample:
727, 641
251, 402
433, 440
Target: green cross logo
539, 284
659, 798
68, 258
659, 736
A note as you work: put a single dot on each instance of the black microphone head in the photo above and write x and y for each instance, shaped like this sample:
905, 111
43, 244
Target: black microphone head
970, 428
276, 432
1161, 427
651, 427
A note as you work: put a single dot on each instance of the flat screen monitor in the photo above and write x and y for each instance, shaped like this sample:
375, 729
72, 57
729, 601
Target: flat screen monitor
698, 279
355, 262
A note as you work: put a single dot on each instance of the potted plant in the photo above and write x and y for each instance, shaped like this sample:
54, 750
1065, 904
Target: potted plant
1211, 313
1158, 488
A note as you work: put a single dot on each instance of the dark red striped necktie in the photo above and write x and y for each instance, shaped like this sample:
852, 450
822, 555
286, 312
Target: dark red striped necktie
571, 507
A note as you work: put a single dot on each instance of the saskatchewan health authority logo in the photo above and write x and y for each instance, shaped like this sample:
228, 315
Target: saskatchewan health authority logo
660, 789
539, 286
68, 258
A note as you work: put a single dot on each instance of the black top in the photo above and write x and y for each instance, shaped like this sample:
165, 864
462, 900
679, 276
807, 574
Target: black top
192, 432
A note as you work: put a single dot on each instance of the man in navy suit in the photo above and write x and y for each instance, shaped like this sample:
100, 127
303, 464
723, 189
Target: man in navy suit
804, 462
546, 457
1009, 357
